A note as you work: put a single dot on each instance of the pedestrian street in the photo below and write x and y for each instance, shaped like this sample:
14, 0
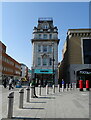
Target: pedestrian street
67, 104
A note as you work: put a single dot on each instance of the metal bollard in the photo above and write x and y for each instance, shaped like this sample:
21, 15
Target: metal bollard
72, 86
21, 98
10, 106
28, 94
62, 87
66, 87
47, 89
69, 86
75, 86
58, 88
39, 90
32, 91
53, 88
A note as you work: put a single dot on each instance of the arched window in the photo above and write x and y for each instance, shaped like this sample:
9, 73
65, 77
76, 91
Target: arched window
44, 61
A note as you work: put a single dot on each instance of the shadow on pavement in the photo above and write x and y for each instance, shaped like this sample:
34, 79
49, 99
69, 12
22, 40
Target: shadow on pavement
37, 102
46, 97
33, 108
23, 118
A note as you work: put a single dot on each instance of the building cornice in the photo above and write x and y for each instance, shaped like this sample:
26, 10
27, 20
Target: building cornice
78, 31
45, 40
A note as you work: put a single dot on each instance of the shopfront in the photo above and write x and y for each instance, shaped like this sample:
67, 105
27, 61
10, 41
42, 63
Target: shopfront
84, 75
43, 76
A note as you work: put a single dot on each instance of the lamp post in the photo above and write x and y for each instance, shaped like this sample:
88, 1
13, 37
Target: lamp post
34, 80
53, 64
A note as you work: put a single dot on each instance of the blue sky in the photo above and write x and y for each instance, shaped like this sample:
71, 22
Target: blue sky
19, 19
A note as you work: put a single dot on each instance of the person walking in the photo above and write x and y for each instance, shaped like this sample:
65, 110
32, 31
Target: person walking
10, 83
33, 84
5, 82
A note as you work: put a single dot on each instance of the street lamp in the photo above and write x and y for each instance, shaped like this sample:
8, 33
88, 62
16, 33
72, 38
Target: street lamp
53, 63
34, 81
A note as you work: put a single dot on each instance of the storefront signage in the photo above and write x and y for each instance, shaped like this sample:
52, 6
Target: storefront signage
43, 71
85, 72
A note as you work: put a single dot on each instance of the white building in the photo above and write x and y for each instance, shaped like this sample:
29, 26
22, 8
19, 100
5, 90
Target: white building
23, 71
45, 51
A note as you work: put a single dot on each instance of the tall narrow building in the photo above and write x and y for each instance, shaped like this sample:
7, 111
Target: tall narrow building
45, 51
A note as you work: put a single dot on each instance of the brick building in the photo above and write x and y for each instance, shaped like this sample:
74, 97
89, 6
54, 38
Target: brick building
9, 67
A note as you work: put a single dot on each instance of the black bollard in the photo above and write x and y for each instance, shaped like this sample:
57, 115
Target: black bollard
10, 106
21, 98
28, 94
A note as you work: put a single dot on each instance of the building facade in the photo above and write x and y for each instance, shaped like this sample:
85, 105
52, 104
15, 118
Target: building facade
24, 71
45, 51
76, 63
9, 67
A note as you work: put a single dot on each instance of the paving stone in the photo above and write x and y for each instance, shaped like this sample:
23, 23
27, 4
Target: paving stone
67, 104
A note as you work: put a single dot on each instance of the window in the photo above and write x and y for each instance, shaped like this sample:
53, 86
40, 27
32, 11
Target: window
39, 36
39, 61
50, 36
45, 26
50, 48
39, 48
87, 51
50, 61
55, 36
44, 61
44, 48
45, 36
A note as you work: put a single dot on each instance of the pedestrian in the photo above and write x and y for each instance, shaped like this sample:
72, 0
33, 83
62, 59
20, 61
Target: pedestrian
33, 84
10, 83
62, 81
5, 82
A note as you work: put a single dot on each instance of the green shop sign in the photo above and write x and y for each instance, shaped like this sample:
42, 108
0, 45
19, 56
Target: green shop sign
43, 71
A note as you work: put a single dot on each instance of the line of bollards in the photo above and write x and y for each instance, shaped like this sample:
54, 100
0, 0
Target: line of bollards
30, 94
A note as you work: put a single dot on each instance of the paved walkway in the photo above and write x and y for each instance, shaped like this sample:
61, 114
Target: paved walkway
67, 104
